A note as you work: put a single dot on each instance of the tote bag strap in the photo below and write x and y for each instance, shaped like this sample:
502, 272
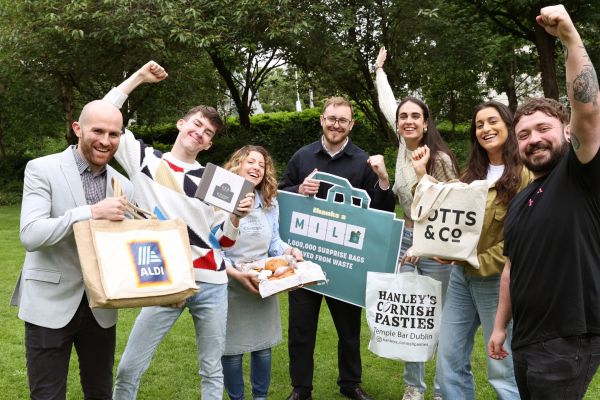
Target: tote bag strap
135, 211
429, 196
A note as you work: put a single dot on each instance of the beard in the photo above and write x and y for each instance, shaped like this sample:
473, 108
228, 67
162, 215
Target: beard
556, 154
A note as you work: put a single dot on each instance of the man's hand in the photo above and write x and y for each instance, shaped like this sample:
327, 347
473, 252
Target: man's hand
111, 208
419, 158
496, 348
152, 72
557, 22
176, 305
309, 186
381, 57
377, 164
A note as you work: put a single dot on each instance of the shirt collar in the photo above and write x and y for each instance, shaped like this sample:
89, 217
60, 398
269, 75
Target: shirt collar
83, 165
337, 152
258, 200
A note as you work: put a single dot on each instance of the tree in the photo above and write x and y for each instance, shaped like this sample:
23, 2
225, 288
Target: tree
517, 17
80, 47
243, 38
336, 48
27, 110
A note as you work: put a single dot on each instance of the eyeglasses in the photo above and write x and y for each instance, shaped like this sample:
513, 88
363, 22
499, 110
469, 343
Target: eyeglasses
343, 122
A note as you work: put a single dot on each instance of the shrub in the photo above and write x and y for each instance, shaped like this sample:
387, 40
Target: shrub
282, 133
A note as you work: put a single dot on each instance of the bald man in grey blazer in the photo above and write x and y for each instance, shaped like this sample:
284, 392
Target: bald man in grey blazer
60, 190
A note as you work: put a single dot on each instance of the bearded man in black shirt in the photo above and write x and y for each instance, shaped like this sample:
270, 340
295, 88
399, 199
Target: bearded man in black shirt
550, 285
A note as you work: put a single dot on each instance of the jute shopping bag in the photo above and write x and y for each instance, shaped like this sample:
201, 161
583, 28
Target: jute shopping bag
404, 314
448, 219
135, 262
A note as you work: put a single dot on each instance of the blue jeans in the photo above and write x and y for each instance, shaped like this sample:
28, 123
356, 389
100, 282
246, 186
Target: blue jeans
260, 374
471, 301
414, 372
209, 312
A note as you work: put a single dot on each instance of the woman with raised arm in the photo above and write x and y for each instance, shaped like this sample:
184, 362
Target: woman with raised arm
415, 128
253, 323
472, 296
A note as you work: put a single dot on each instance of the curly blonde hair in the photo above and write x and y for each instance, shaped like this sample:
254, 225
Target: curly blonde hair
268, 185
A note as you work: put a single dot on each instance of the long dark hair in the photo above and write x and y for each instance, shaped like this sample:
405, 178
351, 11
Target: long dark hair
431, 137
510, 181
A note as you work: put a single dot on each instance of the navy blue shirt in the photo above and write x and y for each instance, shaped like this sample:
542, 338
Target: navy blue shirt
350, 163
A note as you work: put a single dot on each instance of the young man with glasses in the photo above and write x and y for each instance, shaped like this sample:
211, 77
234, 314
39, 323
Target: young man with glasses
333, 153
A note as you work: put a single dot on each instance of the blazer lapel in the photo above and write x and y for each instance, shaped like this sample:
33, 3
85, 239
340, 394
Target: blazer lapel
72, 177
109, 177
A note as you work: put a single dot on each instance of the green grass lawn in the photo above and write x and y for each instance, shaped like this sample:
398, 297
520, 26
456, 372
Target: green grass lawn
173, 373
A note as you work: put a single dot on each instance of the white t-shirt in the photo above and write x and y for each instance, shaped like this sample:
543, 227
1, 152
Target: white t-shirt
494, 172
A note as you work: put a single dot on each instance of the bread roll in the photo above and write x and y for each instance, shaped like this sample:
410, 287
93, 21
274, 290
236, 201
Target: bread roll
275, 263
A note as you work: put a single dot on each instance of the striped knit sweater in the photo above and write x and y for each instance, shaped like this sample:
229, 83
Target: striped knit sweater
166, 186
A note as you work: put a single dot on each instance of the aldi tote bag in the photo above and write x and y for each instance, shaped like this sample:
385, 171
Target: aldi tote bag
135, 262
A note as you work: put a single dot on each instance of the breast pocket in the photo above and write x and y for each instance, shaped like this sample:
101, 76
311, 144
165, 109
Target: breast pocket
500, 214
42, 275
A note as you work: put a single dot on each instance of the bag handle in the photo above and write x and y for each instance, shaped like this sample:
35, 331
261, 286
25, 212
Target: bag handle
343, 187
135, 211
435, 196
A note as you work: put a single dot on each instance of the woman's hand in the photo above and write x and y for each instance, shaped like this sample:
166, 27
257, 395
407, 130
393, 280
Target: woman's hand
246, 205
419, 159
381, 57
248, 280
414, 260
296, 253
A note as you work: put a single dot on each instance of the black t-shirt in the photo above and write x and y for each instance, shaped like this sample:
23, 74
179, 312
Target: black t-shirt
552, 238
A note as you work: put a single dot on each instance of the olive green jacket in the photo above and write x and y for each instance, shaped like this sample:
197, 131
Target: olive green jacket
491, 241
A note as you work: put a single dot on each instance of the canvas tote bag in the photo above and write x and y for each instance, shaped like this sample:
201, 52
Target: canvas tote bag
448, 219
136, 262
404, 314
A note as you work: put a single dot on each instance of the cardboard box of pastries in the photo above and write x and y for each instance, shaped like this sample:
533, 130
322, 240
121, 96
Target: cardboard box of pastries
283, 273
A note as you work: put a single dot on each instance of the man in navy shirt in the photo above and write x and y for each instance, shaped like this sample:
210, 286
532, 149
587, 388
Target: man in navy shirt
333, 153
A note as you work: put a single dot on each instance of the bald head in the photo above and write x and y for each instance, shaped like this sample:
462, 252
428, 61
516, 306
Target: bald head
100, 110
99, 132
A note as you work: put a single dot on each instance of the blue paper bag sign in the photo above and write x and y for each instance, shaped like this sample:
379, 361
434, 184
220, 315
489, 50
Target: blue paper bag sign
345, 239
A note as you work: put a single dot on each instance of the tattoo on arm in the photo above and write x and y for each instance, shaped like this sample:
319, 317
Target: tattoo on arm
585, 85
575, 142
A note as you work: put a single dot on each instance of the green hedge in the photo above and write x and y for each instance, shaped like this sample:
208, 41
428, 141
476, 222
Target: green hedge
282, 133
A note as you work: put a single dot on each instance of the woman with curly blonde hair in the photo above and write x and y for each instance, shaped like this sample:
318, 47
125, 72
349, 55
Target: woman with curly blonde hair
253, 323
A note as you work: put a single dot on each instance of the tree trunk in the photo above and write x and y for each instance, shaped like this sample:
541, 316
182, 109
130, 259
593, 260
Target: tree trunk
453, 111
2, 146
67, 98
511, 90
546, 47
243, 109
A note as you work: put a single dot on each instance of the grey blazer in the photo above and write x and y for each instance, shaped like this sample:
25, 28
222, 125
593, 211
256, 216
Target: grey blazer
50, 286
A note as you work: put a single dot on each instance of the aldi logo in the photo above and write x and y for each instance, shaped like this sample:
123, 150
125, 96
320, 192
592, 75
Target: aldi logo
150, 265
